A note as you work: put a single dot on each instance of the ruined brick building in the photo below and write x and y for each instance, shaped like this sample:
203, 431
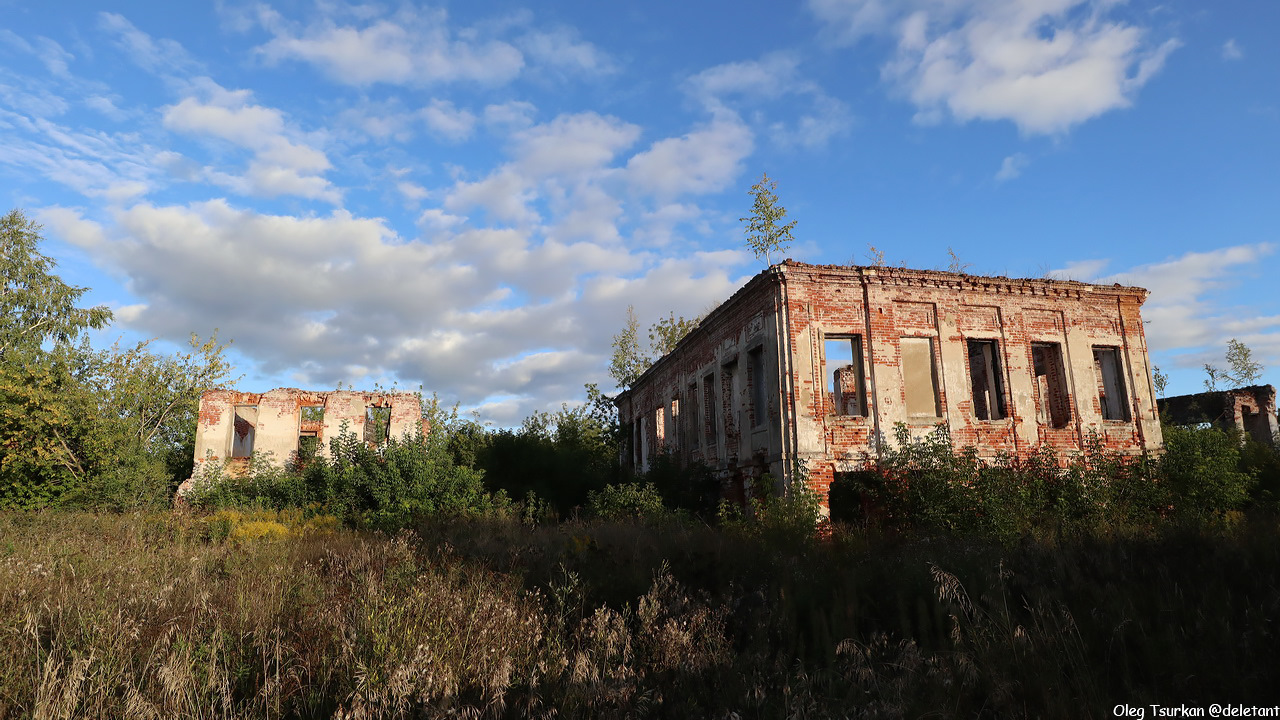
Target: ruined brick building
281, 423
1250, 410
811, 363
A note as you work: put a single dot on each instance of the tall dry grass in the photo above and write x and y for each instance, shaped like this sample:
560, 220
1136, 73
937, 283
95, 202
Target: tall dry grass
159, 616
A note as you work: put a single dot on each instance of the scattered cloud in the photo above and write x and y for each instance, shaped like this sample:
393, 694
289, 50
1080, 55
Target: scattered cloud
506, 323
755, 83
410, 48
1012, 167
1046, 65
1082, 270
704, 160
1232, 51
562, 50
421, 47
1185, 309
158, 56
447, 121
282, 164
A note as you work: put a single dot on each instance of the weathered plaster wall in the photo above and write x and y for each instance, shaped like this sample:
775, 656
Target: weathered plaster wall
792, 309
279, 423
885, 305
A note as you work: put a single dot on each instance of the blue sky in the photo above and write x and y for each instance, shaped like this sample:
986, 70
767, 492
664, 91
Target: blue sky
468, 196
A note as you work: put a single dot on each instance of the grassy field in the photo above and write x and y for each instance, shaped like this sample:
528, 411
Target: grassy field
270, 615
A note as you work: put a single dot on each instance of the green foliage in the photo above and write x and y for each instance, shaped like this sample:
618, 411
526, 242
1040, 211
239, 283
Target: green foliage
665, 334
628, 362
378, 486
927, 484
1159, 380
766, 232
1244, 369
1202, 469
689, 487
106, 429
35, 305
626, 501
560, 457
786, 520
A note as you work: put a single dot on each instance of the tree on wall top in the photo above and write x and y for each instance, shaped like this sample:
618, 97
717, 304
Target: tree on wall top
766, 230
1244, 369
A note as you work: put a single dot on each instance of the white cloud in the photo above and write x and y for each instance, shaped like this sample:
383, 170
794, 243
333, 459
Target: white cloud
163, 57
1184, 309
772, 76
572, 144
514, 114
1012, 167
412, 47
830, 119
504, 195
704, 160
1232, 51
113, 166
447, 121
490, 316
1045, 65
809, 123
1082, 270
281, 165
562, 50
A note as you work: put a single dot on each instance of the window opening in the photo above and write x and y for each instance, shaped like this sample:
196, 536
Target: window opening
984, 375
671, 435
312, 413
1053, 401
243, 429
733, 389
1111, 389
920, 377
709, 409
377, 424
842, 368
759, 401
692, 430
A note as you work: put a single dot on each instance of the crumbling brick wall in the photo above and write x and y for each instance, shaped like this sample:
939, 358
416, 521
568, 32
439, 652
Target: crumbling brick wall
1007, 365
1250, 410
234, 426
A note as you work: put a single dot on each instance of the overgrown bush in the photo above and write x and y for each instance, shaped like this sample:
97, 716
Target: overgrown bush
385, 487
627, 501
926, 483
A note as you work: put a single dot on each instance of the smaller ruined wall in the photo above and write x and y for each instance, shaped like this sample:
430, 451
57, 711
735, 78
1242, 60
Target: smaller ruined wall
1250, 410
278, 424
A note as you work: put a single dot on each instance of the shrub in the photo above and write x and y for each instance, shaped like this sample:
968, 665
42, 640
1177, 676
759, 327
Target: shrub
382, 487
625, 501
1202, 468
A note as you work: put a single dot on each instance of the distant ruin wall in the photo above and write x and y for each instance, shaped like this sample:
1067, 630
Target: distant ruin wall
234, 426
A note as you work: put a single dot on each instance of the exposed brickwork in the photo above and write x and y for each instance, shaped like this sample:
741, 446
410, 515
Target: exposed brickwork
1250, 410
277, 422
791, 309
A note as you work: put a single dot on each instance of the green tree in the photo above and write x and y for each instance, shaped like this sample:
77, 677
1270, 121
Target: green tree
665, 334
766, 230
1244, 369
1159, 379
107, 428
628, 362
35, 304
